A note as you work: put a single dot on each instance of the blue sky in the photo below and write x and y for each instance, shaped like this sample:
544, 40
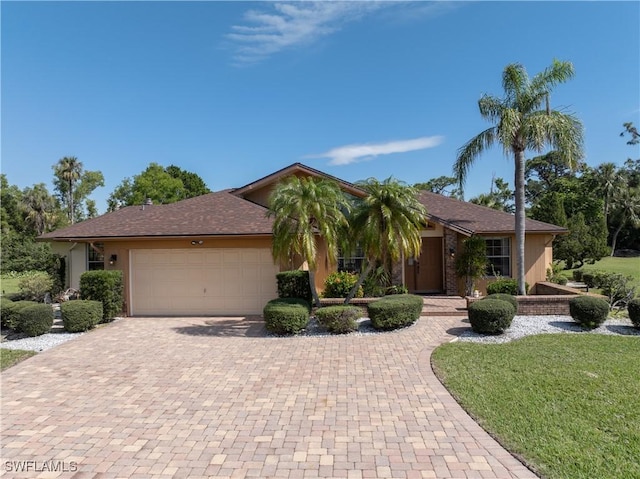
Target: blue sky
235, 90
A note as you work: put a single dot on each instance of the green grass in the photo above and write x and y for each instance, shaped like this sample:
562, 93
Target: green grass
567, 404
9, 285
626, 266
9, 357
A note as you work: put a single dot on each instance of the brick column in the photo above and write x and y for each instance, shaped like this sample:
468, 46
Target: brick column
450, 278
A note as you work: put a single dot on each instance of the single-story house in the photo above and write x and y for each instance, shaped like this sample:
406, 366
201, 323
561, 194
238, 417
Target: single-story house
211, 255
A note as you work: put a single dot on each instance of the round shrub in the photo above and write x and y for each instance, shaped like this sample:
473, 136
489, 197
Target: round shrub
339, 285
11, 313
396, 311
505, 285
504, 297
577, 274
294, 284
589, 311
36, 320
105, 286
339, 319
80, 315
589, 278
491, 316
286, 315
633, 307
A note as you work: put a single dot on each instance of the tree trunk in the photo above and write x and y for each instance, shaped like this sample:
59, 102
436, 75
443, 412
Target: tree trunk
71, 215
314, 291
361, 278
520, 219
614, 239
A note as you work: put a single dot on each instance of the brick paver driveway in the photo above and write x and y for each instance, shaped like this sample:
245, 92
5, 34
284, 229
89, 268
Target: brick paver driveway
212, 397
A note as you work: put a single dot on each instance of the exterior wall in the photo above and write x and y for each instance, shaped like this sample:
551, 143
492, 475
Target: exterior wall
75, 256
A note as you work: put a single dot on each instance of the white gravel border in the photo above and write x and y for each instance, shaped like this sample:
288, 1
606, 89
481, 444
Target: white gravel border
527, 325
39, 343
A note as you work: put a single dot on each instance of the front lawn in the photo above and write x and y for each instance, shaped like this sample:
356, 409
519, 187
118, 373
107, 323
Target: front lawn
567, 404
9, 357
625, 266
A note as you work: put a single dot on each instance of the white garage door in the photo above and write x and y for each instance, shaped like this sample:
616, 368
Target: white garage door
207, 282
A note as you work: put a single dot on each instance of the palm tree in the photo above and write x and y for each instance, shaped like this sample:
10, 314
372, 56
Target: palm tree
524, 121
69, 170
626, 210
386, 223
40, 208
607, 179
305, 209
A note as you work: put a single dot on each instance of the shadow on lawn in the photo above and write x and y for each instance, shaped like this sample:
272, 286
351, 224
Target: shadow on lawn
241, 327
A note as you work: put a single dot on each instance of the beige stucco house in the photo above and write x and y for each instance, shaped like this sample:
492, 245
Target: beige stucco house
211, 255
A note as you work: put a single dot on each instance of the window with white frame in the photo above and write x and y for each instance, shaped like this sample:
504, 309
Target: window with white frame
499, 257
350, 261
95, 256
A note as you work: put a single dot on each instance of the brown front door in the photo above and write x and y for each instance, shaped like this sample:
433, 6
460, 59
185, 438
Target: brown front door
428, 267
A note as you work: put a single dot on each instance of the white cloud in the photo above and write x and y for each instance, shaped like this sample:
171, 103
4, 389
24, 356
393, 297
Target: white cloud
291, 24
344, 155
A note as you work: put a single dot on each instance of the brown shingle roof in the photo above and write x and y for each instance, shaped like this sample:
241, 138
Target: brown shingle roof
220, 213
469, 218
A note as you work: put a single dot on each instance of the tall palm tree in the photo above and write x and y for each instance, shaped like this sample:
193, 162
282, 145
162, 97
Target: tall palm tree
386, 223
524, 121
626, 210
69, 170
306, 209
607, 178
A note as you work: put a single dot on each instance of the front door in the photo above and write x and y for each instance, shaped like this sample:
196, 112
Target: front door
425, 274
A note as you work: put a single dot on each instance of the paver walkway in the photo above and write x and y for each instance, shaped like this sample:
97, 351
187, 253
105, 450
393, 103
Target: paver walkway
212, 397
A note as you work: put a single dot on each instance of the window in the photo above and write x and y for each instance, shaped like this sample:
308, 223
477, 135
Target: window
351, 262
95, 256
499, 256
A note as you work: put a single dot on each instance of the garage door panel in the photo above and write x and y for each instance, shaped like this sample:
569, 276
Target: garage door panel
201, 281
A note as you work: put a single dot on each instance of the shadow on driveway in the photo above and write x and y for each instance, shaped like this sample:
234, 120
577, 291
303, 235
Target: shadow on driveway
241, 327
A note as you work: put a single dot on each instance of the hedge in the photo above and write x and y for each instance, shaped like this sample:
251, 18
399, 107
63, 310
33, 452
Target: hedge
106, 287
396, 311
36, 319
80, 315
491, 316
589, 311
505, 285
294, 284
633, 307
339, 319
286, 315
11, 313
504, 297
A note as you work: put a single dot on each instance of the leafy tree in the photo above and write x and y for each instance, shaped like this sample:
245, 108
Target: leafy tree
73, 185
626, 211
305, 209
472, 262
523, 120
161, 185
385, 224
11, 215
550, 209
41, 209
632, 131
582, 245
500, 197
442, 186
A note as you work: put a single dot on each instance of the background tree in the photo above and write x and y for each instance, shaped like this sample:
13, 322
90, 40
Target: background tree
524, 121
307, 211
73, 185
442, 185
626, 211
500, 197
161, 185
385, 224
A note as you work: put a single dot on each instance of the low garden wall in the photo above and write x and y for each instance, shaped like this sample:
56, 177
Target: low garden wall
547, 299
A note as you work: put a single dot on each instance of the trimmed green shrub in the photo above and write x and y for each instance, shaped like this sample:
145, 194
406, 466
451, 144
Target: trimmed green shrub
504, 297
396, 311
80, 315
339, 285
491, 316
339, 319
505, 285
106, 287
577, 274
589, 278
34, 286
11, 313
286, 315
633, 307
294, 284
36, 320
589, 311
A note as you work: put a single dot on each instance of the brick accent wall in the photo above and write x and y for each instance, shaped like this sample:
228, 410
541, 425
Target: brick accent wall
541, 304
450, 278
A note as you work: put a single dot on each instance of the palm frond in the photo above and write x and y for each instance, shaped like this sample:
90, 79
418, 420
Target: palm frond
470, 152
